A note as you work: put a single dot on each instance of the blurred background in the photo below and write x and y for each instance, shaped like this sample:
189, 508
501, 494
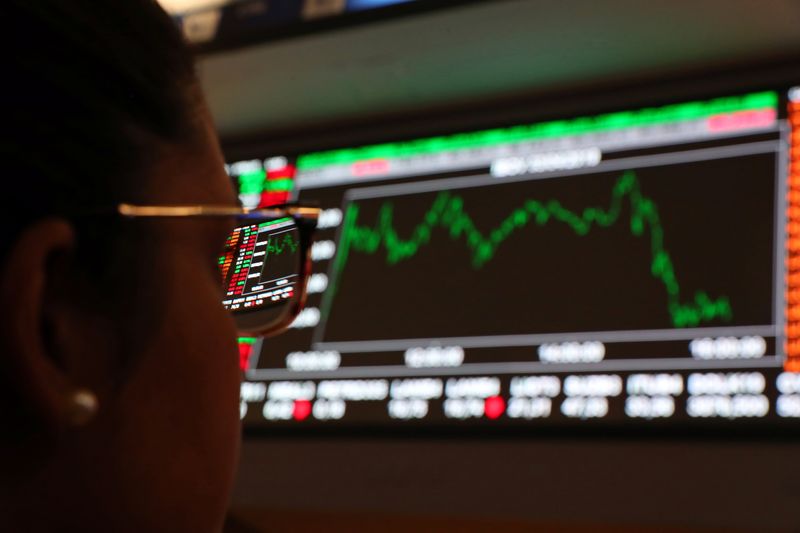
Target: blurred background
554, 282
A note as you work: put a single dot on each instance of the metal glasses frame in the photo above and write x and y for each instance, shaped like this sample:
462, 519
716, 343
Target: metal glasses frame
304, 216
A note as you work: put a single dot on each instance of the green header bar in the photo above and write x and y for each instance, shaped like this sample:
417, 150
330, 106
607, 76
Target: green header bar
274, 222
543, 130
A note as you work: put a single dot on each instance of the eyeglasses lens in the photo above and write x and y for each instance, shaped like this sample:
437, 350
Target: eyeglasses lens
261, 273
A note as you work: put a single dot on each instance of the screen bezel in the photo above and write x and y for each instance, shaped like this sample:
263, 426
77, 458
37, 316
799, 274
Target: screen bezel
585, 99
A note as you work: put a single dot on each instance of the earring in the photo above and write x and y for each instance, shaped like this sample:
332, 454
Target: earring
82, 407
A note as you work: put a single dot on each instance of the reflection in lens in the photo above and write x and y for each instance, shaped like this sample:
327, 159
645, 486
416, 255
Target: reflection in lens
260, 269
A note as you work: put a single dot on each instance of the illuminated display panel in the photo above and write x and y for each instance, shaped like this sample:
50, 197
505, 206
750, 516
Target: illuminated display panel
632, 268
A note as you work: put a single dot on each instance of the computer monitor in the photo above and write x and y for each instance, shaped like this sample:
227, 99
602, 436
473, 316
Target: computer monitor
630, 267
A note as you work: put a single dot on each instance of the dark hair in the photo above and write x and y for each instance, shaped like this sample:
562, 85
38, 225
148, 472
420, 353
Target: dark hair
90, 90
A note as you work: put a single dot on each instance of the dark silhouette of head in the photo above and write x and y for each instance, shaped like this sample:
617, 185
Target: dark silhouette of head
118, 371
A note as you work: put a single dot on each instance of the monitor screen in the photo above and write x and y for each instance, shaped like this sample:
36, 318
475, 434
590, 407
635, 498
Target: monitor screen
639, 267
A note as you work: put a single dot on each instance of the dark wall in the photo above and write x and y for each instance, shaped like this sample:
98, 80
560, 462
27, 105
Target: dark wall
722, 484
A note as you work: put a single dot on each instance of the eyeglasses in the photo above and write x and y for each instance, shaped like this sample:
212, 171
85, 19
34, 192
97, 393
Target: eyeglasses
265, 264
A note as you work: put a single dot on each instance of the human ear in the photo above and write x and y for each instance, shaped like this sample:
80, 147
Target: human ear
37, 379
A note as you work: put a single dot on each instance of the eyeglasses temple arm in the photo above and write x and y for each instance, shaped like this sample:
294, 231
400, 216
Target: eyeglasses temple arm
132, 211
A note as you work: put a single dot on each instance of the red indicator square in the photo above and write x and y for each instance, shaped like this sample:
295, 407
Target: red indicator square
273, 198
287, 171
494, 407
302, 408
372, 167
245, 353
742, 120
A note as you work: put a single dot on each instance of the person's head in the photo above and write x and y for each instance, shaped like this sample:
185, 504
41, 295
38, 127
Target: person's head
101, 106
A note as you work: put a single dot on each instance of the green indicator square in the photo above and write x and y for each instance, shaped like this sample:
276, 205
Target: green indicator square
278, 185
252, 182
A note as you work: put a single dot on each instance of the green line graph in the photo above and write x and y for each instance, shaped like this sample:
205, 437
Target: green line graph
281, 245
448, 213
